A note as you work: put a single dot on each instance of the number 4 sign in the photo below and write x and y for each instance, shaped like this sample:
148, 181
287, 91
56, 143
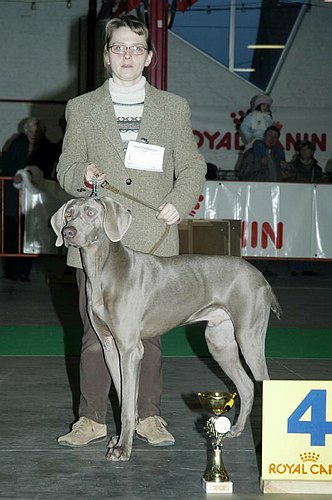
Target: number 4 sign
297, 437
317, 427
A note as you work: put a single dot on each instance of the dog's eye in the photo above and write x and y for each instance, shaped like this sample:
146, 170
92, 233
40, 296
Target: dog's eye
67, 215
90, 213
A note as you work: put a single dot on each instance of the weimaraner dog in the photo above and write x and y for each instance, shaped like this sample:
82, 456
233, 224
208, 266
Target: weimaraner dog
132, 295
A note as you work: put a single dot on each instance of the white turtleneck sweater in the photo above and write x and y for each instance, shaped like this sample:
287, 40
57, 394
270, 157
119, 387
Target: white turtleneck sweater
128, 105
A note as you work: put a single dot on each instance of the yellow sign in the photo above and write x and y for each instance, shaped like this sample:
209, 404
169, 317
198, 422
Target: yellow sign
297, 430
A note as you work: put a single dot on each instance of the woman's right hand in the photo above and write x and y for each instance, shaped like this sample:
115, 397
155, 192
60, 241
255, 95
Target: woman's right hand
92, 172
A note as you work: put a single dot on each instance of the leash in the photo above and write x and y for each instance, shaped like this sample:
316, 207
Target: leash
107, 185
115, 190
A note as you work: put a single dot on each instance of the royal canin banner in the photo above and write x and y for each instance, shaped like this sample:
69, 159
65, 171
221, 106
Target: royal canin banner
278, 220
219, 141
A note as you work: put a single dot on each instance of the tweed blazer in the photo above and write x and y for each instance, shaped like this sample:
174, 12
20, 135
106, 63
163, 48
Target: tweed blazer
92, 135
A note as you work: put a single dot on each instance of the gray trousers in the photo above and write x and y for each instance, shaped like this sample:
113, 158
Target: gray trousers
95, 379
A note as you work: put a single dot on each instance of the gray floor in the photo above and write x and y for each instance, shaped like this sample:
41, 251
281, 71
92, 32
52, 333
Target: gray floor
37, 403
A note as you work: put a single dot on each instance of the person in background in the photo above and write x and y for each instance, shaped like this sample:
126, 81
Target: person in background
257, 119
328, 170
304, 166
265, 160
31, 148
108, 131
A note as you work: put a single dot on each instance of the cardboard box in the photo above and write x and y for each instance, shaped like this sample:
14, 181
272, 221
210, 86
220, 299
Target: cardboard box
210, 237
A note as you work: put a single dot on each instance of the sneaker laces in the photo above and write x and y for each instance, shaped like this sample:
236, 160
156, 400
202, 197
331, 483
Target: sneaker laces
159, 422
81, 423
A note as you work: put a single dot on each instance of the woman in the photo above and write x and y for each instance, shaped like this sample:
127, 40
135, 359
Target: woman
140, 140
32, 148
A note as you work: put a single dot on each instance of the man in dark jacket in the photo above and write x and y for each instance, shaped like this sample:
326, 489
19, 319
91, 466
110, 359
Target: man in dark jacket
264, 161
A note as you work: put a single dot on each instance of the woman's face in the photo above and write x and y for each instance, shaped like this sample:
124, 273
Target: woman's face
34, 134
127, 69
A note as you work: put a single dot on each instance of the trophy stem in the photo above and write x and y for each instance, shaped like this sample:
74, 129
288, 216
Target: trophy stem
216, 471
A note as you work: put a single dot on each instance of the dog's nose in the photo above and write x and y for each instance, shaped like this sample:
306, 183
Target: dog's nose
69, 232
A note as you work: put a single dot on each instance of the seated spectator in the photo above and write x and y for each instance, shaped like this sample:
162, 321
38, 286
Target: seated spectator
265, 160
304, 167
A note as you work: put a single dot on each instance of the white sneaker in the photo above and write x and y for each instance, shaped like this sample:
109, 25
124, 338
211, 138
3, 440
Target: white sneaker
84, 432
153, 430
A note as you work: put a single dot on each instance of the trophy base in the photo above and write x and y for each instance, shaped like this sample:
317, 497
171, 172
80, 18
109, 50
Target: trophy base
217, 487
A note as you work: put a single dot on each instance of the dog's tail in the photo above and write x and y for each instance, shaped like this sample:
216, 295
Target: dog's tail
275, 306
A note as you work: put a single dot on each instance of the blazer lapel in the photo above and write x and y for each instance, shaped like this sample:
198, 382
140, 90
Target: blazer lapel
102, 112
152, 115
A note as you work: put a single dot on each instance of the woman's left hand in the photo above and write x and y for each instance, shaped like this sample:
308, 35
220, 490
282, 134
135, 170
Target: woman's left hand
168, 213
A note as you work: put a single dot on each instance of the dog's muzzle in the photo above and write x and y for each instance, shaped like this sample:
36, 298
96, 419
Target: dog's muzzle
69, 234
73, 237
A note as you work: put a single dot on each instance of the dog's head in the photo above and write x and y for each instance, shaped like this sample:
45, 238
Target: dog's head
81, 222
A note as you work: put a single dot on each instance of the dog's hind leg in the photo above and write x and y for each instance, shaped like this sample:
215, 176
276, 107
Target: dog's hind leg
251, 334
254, 351
224, 349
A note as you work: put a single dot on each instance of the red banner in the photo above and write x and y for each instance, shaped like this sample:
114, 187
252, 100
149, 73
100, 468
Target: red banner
132, 4
183, 5
123, 6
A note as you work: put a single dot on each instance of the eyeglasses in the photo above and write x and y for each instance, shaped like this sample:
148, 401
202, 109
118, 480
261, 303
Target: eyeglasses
135, 50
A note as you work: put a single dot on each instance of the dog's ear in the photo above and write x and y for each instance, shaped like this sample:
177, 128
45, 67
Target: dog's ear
58, 222
117, 219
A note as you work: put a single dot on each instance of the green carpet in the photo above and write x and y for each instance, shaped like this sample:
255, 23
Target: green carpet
182, 341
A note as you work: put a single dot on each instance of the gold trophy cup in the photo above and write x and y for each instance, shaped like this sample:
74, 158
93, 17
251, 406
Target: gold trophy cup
216, 479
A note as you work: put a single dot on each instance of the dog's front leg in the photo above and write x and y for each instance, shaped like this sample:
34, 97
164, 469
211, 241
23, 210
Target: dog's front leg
119, 448
113, 362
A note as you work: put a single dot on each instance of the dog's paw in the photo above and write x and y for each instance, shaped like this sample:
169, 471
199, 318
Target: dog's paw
115, 452
113, 441
118, 453
235, 431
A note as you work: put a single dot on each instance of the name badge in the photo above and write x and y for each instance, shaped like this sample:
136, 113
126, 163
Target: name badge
141, 156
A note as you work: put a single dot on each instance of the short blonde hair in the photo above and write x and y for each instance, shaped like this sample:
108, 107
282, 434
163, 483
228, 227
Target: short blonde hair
131, 22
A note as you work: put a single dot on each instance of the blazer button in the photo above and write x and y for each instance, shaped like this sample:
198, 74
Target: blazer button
128, 182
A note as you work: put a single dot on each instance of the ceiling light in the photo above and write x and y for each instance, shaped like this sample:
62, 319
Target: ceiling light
264, 46
244, 70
